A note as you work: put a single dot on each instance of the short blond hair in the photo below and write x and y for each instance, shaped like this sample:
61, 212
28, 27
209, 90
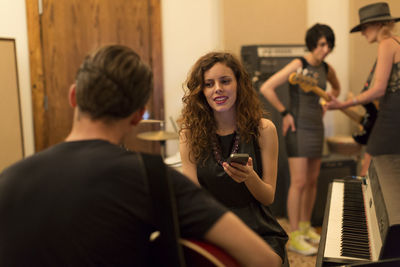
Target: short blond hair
387, 29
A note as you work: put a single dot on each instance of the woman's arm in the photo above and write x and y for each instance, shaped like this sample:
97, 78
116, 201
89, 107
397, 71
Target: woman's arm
189, 169
269, 86
333, 80
236, 238
262, 189
268, 90
386, 52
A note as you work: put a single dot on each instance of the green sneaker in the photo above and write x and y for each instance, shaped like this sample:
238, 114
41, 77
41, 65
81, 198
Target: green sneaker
299, 245
309, 233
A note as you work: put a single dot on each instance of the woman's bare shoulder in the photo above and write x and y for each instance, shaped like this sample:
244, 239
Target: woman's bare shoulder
267, 125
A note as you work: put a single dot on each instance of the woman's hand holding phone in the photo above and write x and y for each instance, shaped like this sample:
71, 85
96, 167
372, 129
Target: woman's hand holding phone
239, 167
238, 158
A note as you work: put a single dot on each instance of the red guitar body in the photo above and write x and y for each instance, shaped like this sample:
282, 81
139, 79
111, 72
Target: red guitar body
200, 254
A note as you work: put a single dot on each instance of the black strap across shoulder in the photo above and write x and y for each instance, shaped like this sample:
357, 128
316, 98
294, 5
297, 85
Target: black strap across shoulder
396, 40
305, 64
164, 208
369, 78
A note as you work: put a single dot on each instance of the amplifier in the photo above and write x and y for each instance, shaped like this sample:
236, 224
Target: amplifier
333, 166
267, 59
261, 62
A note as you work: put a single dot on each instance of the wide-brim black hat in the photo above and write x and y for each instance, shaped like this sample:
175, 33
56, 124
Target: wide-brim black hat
373, 13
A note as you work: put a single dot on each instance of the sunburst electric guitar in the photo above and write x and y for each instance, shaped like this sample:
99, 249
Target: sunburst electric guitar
309, 84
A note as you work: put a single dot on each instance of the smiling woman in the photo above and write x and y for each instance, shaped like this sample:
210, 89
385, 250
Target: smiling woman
220, 89
222, 115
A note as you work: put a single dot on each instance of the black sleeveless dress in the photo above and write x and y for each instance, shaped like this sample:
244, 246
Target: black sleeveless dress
307, 140
237, 197
385, 135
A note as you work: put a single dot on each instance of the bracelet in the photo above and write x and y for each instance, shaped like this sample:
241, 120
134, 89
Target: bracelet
285, 112
355, 102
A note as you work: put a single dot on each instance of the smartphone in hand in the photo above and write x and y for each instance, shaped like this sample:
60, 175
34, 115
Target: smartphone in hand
240, 158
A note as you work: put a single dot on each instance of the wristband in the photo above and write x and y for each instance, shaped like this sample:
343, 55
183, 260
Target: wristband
285, 112
355, 102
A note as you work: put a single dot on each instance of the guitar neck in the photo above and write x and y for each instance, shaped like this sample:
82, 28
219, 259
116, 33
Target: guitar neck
350, 113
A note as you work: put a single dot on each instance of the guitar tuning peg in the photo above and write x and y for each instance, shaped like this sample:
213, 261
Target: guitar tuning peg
298, 70
305, 71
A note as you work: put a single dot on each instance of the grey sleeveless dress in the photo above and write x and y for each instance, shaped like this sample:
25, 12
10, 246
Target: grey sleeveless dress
307, 140
385, 135
237, 197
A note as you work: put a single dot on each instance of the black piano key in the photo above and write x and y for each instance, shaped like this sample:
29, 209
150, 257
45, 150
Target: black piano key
360, 238
354, 239
355, 255
351, 224
355, 230
361, 251
355, 245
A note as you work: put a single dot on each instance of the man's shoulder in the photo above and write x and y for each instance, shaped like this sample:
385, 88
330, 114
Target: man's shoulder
70, 155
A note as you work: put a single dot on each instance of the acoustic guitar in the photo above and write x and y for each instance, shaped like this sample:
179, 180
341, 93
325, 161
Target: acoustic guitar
196, 253
309, 84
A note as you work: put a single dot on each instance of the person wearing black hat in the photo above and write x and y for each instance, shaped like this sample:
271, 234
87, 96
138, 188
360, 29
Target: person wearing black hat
376, 24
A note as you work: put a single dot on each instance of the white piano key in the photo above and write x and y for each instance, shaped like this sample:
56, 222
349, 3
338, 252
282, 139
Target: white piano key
333, 233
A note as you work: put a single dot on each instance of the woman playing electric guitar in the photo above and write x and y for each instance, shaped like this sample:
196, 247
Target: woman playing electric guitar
376, 24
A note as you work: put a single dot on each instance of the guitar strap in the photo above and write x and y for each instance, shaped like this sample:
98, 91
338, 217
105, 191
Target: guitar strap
370, 114
164, 210
371, 74
305, 64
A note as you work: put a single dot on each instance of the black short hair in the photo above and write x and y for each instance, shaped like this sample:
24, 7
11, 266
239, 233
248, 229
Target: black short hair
318, 31
112, 83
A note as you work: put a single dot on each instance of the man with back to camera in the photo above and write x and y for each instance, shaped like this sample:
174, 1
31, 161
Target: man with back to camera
85, 201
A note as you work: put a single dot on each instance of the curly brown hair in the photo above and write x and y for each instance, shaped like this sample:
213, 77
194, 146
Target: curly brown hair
197, 119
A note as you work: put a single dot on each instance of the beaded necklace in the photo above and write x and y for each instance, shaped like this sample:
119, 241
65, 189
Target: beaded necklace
217, 148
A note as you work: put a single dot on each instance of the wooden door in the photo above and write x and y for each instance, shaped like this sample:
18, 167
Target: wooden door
60, 37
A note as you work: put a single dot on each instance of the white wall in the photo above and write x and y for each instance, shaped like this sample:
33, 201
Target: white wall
13, 25
190, 28
335, 13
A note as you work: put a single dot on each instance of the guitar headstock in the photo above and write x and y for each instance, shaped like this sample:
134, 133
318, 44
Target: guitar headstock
306, 82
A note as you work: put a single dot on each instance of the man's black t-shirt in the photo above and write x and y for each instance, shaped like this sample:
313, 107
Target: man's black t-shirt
86, 203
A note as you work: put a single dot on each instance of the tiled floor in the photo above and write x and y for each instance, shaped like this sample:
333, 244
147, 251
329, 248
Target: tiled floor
297, 260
